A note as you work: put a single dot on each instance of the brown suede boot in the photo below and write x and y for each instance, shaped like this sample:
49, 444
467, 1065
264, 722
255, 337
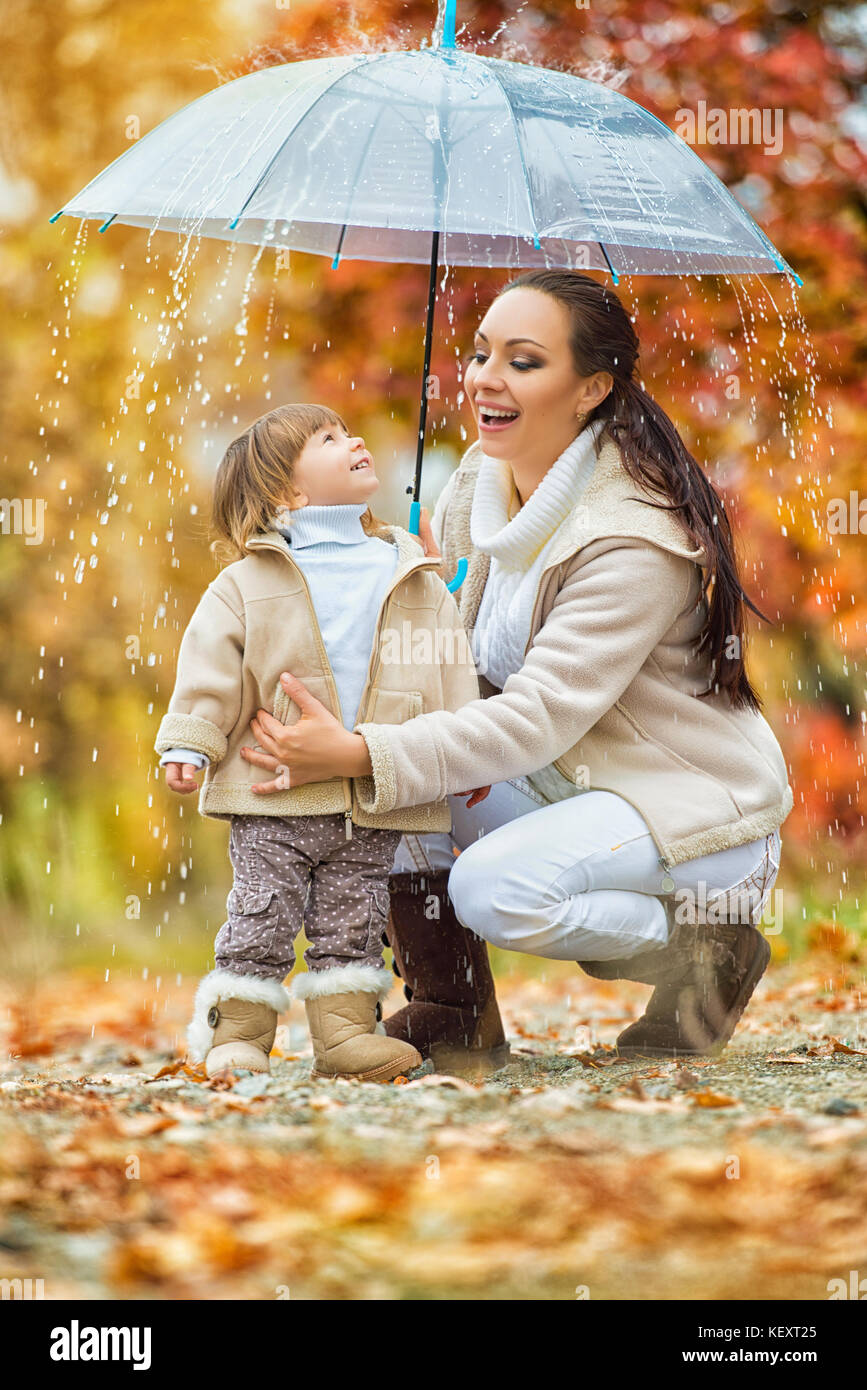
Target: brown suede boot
452, 1017
711, 973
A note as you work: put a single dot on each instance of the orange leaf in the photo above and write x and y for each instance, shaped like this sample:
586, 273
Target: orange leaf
711, 1100
839, 1046
171, 1070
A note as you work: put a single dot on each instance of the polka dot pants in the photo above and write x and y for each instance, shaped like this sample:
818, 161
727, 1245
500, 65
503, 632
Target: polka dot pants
294, 870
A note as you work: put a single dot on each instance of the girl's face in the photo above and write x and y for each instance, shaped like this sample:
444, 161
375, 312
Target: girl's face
523, 365
333, 467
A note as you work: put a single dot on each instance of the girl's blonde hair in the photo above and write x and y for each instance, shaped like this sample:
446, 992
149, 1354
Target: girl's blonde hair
255, 473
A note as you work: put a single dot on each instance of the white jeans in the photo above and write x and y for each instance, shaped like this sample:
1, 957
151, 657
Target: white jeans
578, 879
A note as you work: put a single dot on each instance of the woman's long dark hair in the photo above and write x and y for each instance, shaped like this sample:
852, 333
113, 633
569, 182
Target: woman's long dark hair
602, 339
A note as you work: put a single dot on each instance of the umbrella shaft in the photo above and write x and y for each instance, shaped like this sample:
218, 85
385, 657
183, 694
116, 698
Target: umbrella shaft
428, 338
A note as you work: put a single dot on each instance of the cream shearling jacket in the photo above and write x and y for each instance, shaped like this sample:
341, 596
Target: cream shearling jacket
255, 620
609, 685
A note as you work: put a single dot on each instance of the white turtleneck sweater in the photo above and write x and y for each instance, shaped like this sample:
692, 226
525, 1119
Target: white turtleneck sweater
347, 573
518, 540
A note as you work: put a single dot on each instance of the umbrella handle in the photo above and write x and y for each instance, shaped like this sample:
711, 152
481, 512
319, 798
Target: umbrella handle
460, 576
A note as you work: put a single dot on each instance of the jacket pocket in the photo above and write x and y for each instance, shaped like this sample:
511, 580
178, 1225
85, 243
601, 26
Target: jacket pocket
395, 706
675, 757
284, 707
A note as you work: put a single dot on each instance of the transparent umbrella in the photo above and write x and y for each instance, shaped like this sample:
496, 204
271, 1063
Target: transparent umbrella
433, 155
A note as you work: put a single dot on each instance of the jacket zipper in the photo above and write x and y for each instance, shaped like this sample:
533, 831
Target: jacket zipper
385, 604
666, 867
667, 880
323, 654
376, 653
552, 566
377, 661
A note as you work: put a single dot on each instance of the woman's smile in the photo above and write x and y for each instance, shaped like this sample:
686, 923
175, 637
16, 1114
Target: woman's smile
493, 419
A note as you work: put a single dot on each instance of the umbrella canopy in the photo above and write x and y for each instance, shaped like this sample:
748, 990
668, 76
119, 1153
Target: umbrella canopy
363, 156
428, 155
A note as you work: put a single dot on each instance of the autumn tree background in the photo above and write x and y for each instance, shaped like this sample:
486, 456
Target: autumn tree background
129, 363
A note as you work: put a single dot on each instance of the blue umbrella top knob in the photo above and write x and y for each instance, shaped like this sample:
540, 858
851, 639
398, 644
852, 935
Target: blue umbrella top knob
445, 25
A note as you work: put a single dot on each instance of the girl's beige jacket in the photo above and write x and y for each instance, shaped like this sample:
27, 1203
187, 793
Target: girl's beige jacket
609, 688
257, 619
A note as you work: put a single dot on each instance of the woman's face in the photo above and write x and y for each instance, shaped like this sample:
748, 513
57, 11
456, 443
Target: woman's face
532, 378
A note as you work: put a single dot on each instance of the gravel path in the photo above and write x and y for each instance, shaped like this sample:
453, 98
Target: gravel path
569, 1173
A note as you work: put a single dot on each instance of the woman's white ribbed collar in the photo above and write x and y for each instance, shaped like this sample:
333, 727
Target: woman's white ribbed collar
517, 542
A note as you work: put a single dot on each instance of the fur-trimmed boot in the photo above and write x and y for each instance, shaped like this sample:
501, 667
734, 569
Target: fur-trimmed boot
234, 1021
343, 1013
452, 1017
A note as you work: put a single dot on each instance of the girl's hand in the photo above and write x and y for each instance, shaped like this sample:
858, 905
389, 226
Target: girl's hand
476, 796
314, 749
181, 777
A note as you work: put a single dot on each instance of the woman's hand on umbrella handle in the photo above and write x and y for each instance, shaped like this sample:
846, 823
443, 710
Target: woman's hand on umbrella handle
427, 538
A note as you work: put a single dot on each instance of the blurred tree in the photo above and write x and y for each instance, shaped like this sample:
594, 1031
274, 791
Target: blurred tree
130, 362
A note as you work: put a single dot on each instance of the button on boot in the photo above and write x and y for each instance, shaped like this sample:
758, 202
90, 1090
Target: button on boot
243, 1035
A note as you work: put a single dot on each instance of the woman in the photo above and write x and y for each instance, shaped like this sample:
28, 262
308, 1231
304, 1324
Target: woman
633, 824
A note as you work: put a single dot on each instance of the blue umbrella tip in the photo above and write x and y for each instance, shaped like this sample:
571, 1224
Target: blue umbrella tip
56, 215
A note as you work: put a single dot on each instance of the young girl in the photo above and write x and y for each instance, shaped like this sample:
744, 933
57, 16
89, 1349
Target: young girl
355, 608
